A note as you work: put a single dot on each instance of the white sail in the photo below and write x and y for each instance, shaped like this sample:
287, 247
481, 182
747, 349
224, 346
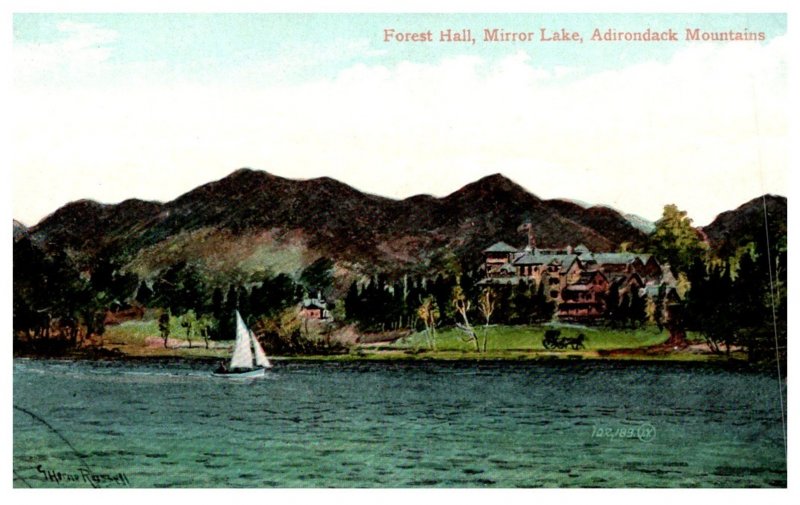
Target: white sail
242, 354
261, 357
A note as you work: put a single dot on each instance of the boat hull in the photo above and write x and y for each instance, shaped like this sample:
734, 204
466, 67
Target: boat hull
243, 374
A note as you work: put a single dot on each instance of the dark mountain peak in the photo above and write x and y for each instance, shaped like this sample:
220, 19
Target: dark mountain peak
496, 182
769, 199
73, 211
495, 177
247, 172
564, 205
237, 184
750, 208
746, 223
603, 210
248, 177
135, 205
332, 219
611, 224
20, 230
423, 199
493, 187
334, 188
82, 204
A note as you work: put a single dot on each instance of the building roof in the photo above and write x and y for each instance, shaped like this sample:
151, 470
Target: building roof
314, 303
577, 287
652, 291
581, 249
508, 267
513, 279
537, 258
623, 278
528, 259
622, 258
500, 247
667, 277
588, 277
565, 261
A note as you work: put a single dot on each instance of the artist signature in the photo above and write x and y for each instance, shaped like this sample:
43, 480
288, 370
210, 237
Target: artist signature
84, 476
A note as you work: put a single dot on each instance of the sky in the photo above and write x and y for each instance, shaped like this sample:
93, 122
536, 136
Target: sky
117, 106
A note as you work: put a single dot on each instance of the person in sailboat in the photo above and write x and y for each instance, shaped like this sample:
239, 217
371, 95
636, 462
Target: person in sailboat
222, 368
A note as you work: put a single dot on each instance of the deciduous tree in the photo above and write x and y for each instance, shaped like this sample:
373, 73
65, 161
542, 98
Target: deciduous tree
675, 240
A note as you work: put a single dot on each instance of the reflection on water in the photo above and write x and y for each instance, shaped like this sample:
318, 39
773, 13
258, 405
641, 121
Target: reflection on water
460, 424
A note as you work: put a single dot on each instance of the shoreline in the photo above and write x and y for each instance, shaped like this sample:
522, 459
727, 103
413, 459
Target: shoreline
507, 357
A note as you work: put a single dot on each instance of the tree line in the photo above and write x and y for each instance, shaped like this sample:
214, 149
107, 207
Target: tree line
736, 297
59, 304
380, 304
733, 299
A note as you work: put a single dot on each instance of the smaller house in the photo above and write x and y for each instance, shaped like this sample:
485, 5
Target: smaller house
315, 308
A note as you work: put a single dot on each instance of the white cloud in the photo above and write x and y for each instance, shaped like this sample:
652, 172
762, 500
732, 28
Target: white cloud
684, 131
81, 51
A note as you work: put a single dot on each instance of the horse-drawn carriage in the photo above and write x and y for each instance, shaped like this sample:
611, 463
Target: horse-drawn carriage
554, 340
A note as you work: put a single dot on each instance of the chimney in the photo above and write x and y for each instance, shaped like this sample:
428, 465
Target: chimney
531, 235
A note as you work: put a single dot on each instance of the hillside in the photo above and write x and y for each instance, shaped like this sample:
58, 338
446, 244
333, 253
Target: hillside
252, 220
746, 223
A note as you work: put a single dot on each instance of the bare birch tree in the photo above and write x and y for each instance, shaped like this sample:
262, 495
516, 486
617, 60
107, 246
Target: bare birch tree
486, 304
462, 306
428, 312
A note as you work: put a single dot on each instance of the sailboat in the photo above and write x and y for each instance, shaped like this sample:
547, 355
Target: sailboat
249, 359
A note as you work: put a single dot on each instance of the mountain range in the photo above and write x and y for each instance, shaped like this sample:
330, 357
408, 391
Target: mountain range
251, 221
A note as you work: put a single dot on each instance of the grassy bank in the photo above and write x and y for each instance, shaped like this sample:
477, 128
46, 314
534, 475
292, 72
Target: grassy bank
529, 338
139, 339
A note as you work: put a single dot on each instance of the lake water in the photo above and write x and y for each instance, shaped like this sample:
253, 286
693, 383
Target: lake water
396, 424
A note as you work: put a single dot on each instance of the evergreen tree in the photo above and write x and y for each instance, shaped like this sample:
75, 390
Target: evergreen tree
231, 300
217, 303
543, 308
352, 303
226, 323
244, 303
709, 307
180, 288
659, 309
318, 276
503, 312
144, 294
163, 327
612, 314
623, 314
638, 308
397, 305
522, 309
